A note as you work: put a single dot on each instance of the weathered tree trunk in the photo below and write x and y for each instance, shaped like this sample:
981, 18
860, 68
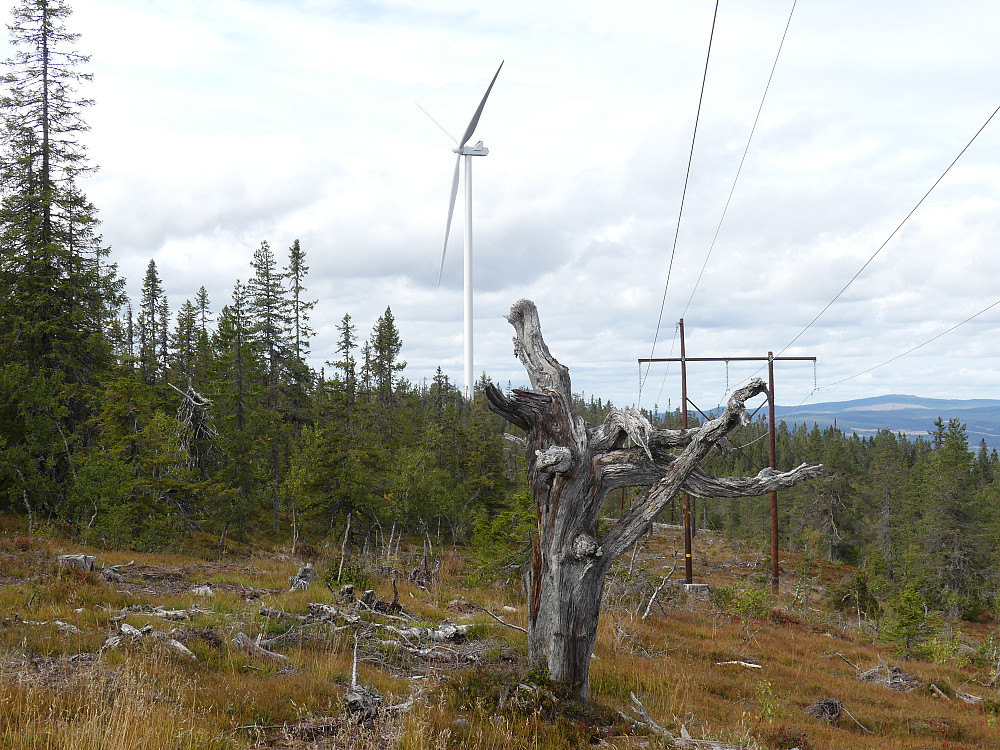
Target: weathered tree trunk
572, 469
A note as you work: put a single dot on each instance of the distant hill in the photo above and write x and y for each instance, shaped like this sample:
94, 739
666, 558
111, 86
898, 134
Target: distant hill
911, 415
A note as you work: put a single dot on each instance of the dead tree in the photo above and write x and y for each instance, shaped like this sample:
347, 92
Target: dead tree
196, 430
571, 470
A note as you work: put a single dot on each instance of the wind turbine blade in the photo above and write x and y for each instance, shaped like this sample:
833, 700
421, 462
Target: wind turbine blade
475, 118
450, 136
451, 212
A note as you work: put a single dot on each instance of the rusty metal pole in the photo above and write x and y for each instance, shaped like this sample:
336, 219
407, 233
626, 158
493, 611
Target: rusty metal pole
773, 460
688, 573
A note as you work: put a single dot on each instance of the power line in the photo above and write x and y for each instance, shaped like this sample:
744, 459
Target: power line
890, 360
687, 177
894, 231
910, 351
742, 160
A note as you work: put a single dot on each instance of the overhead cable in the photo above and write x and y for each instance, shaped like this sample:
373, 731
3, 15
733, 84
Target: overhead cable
680, 213
910, 351
742, 160
894, 231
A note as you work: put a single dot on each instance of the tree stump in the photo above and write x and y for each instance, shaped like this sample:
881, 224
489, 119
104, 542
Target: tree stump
83, 562
301, 580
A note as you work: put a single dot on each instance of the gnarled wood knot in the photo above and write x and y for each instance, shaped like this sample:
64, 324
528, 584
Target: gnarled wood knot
586, 546
553, 460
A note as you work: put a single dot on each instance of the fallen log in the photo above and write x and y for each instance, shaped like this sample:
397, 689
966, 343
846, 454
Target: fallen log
329, 612
446, 631
280, 613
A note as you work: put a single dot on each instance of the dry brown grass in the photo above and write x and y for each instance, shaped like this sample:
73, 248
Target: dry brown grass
57, 693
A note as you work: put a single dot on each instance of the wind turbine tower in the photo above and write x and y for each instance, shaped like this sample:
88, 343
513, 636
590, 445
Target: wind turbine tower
468, 152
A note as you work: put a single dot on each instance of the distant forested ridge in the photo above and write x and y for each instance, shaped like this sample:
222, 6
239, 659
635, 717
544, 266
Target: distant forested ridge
912, 415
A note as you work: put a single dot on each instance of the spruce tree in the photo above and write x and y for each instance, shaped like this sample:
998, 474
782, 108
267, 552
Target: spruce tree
56, 291
269, 310
296, 272
150, 324
299, 375
385, 345
184, 346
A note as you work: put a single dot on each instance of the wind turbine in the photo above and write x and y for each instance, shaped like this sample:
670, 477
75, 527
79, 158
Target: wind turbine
468, 152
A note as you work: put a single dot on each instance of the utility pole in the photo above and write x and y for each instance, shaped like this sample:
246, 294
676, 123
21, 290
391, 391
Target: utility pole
772, 454
688, 569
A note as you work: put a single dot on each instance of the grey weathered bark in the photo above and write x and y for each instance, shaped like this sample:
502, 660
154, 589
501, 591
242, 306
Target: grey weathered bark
571, 470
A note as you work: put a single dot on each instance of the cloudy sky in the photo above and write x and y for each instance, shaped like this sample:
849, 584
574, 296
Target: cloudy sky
220, 123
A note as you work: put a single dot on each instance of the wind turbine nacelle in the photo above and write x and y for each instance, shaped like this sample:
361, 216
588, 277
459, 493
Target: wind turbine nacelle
478, 150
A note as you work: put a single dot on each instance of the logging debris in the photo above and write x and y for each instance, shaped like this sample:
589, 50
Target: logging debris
82, 562
891, 677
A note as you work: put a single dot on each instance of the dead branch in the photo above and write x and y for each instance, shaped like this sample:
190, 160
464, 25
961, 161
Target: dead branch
938, 693
648, 720
747, 664
129, 635
243, 642
280, 613
446, 631
856, 668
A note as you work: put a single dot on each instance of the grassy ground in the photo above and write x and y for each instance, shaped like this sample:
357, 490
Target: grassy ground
60, 690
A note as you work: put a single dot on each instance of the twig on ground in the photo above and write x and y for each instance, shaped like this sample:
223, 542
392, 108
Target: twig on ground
858, 722
856, 668
660, 588
502, 622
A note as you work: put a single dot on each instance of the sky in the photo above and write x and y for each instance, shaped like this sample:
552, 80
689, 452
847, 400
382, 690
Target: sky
219, 124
